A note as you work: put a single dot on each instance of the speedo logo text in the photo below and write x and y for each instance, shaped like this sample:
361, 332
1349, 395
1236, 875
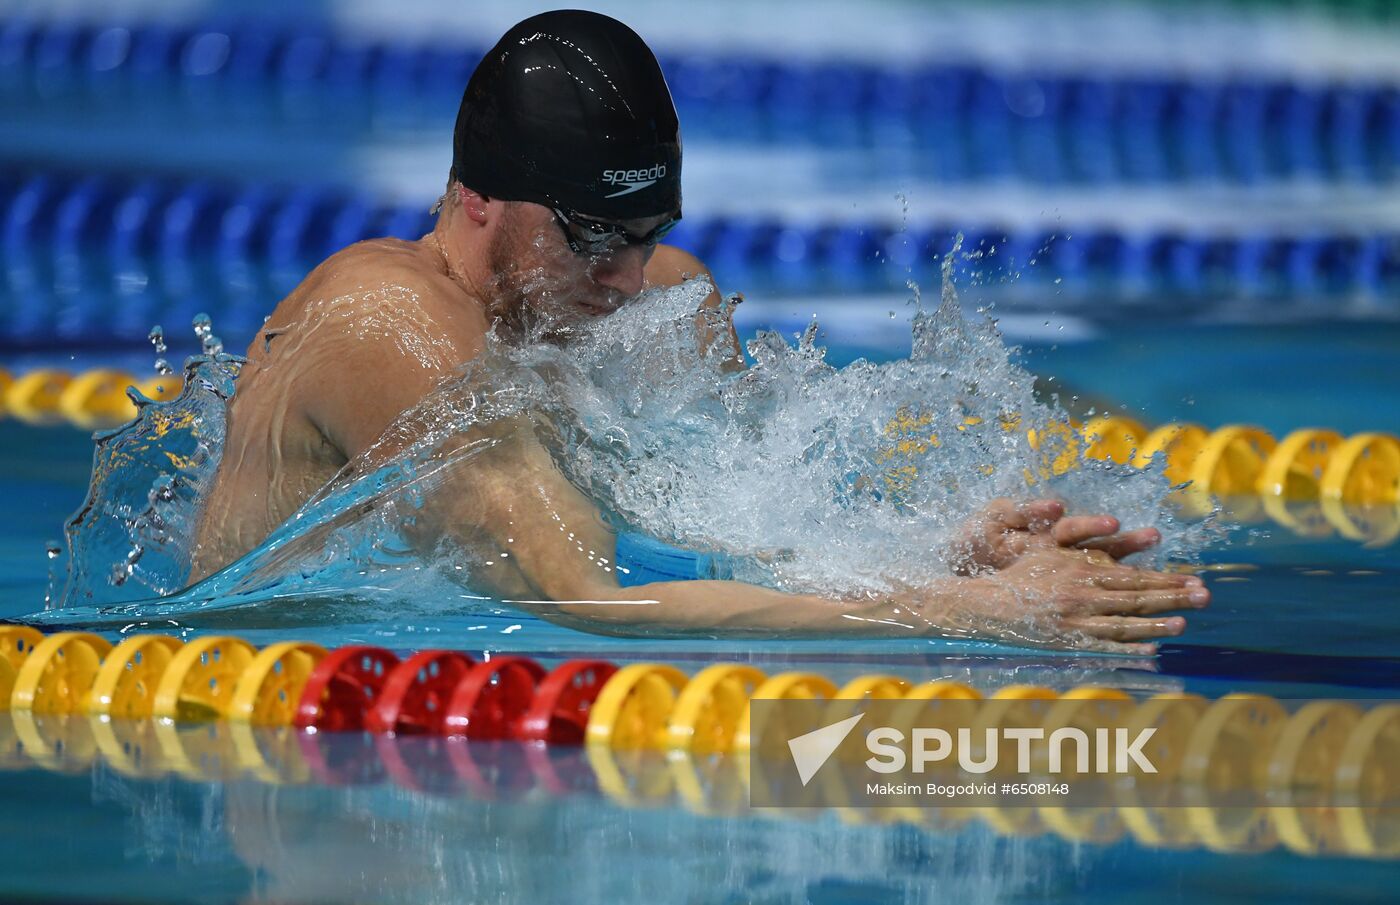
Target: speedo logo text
633, 180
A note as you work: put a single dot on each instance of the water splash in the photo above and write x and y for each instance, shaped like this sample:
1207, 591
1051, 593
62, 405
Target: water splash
813, 478
804, 476
157, 338
128, 541
204, 331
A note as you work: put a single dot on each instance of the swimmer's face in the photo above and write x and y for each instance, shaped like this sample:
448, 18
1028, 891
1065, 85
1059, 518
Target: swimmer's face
541, 274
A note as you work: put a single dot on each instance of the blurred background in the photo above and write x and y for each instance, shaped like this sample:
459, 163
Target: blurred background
1180, 211
1186, 207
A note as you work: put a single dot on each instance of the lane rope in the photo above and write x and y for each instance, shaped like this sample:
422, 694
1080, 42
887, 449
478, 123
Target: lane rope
652, 735
641, 706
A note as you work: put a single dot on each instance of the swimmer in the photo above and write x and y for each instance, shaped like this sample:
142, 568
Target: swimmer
565, 177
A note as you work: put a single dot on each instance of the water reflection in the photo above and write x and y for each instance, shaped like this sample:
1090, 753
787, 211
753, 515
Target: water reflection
285, 816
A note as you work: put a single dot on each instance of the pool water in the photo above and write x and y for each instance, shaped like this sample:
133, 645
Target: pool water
1269, 583
1231, 197
1291, 617
385, 842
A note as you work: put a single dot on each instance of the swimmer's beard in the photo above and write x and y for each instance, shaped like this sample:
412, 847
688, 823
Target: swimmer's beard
537, 312
534, 305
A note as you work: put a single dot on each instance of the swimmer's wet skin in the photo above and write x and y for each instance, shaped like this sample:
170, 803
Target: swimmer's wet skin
566, 173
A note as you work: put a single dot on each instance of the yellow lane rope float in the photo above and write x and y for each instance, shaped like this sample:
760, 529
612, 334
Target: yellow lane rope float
89, 399
125, 686
716, 783
1235, 460
711, 786
655, 735
1239, 740
708, 710
58, 673
1313, 481
198, 684
1308, 463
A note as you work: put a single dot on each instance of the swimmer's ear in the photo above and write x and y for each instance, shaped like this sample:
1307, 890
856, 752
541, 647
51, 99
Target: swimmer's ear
474, 203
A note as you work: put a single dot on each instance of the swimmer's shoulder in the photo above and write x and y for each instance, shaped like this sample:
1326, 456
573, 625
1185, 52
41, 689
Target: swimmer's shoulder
671, 266
380, 263
383, 325
390, 275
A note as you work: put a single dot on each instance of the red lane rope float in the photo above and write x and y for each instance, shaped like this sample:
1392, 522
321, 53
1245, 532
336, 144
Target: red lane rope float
492, 697
343, 687
562, 703
415, 695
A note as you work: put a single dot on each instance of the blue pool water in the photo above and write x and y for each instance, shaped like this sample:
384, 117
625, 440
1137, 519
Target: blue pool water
1309, 618
1291, 616
1234, 260
384, 842
1269, 599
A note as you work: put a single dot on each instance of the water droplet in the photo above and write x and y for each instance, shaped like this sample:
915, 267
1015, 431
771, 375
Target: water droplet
157, 338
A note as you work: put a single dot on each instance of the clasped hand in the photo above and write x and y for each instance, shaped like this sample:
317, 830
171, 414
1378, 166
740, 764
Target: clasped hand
1056, 579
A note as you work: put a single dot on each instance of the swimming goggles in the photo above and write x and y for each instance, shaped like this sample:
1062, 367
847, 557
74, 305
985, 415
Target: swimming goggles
597, 237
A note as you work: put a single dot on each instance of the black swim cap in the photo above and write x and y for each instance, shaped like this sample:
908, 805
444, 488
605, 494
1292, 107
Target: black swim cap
570, 110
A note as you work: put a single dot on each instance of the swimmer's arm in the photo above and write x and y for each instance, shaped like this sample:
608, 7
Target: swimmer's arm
562, 558
1094, 618
549, 551
670, 266
731, 608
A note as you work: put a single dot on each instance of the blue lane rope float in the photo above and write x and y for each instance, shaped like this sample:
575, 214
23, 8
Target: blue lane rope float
965, 121
167, 250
